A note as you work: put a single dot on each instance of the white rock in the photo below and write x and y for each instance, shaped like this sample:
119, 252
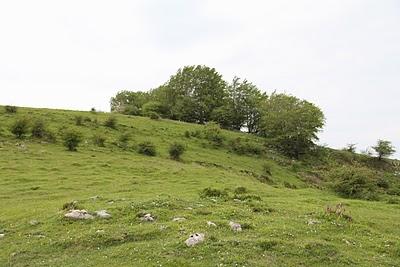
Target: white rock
312, 221
194, 239
147, 218
235, 226
2, 235
100, 231
211, 224
178, 219
33, 222
103, 214
78, 215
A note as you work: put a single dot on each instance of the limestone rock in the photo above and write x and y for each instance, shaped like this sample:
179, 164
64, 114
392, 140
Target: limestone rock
209, 223
194, 239
78, 215
147, 218
178, 219
103, 214
235, 226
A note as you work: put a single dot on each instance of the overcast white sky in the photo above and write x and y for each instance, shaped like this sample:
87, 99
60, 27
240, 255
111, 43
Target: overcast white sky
342, 55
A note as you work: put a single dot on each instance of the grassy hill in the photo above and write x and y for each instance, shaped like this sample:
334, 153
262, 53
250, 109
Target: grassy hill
282, 205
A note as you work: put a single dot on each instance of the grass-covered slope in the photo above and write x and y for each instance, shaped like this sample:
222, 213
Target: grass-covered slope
284, 218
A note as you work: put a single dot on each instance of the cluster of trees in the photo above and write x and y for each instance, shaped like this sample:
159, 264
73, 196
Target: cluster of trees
198, 94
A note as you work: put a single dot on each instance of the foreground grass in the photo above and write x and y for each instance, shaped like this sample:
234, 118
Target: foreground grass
37, 179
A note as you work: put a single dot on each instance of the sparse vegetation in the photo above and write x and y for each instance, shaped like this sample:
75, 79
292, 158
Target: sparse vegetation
39, 129
99, 140
147, 148
176, 150
10, 109
71, 139
111, 122
20, 128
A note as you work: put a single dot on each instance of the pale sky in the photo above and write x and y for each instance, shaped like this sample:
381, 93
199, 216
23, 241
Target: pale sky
343, 55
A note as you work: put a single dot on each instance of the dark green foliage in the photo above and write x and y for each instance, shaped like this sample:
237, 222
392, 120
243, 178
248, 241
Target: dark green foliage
93, 110
291, 124
147, 148
10, 109
350, 148
212, 132
129, 103
111, 122
244, 146
99, 140
267, 169
194, 92
246, 197
212, 193
355, 182
152, 108
240, 190
268, 245
38, 129
241, 107
20, 128
384, 149
289, 185
78, 120
123, 140
187, 134
71, 139
176, 150
153, 115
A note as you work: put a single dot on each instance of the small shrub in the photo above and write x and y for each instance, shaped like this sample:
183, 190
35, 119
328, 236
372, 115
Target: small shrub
196, 133
211, 192
393, 200
87, 119
267, 245
72, 139
147, 148
212, 132
355, 182
10, 109
267, 168
154, 115
241, 147
247, 197
187, 134
240, 190
20, 128
99, 140
73, 205
289, 185
50, 136
123, 140
176, 150
78, 120
338, 211
39, 129
93, 110
111, 122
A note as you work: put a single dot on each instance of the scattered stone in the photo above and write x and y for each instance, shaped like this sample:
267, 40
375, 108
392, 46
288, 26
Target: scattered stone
235, 226
189, 208
194, 239
178, 219
95, 198
211, 224
312, 221
33, 222
147, 218
237, 200
110, 202
2, 235
78, 215
103, 214
100, 231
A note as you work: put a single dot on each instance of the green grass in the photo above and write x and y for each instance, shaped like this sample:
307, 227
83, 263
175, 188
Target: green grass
37, 178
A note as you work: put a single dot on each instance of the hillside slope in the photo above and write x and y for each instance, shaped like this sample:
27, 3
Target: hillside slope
285, 219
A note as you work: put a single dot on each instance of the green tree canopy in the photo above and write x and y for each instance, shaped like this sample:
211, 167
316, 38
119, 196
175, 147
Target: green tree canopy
128, 102
290, 123
384, 149
195, 91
